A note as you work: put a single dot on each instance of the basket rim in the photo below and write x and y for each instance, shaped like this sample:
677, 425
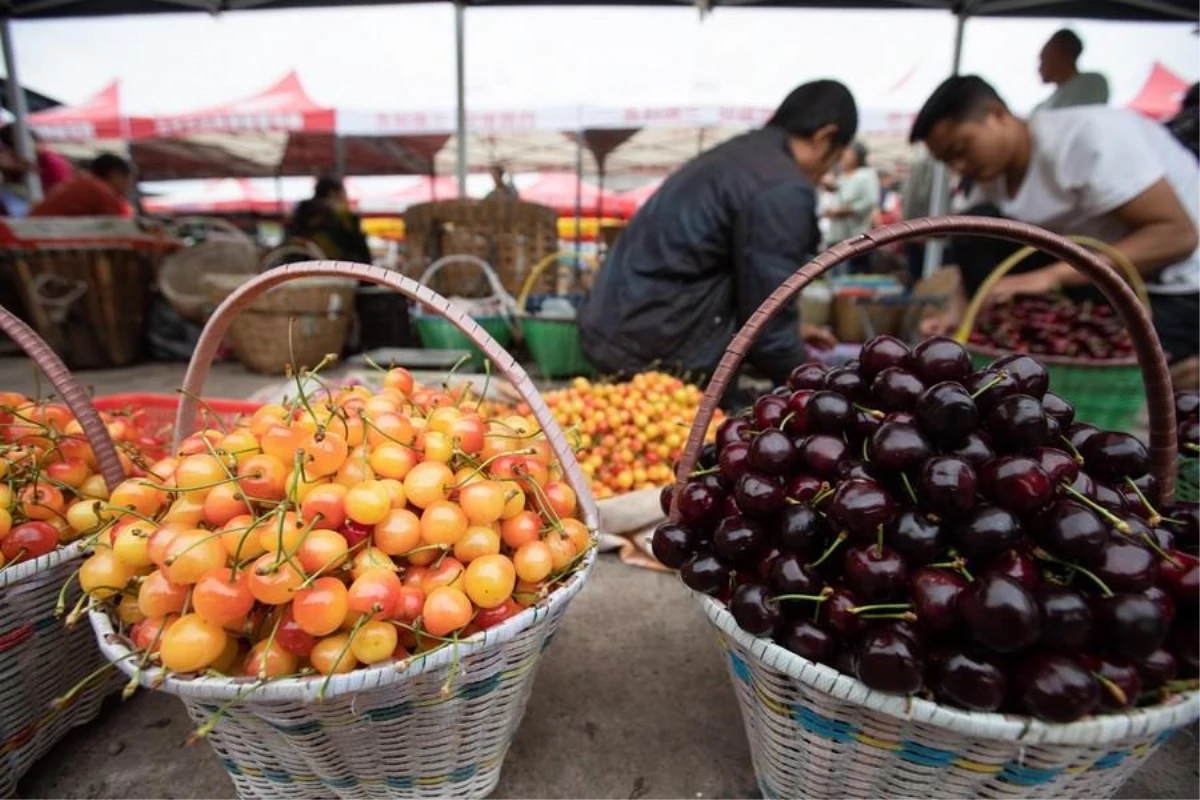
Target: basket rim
16, 573
306, 689
1142, 722
1058, 361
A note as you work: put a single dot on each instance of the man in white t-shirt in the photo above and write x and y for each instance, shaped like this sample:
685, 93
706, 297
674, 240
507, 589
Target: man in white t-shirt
1105, 173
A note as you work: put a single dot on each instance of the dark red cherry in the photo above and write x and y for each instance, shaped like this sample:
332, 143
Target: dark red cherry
769, 411
971, 680
934, 594
790, 575
940, 359
847, 382
802, 530
1017, 424
853, 468
898, 446
1079, 432
806, 639
1066, 618
881, 353
974, 449
988, 387
759, 495
1109, 497
1017, 483
665, 498
1058, 464
705, 573
803, 488
740, 541
1165, 602
1125, 566
889, 662
810, 375
896, 389
755, 611
947, 413
795, 421
821, 453
1059, 409
772, 452
1074, 532
875, 574
1028, 373
865, 423
1157, 669
733, 429
700, 505
765, 562
1132, 625
1000, 614
838, 612
708, 456
1181, 575
861, 507
829, 412
1187, 403
1112, 456
673, 544
947, 486
1020, 567
1184, 644
734, 462
986, 532
1055, 688
916, 536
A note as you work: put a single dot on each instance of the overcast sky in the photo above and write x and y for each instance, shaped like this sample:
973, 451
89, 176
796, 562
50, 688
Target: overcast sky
403, 57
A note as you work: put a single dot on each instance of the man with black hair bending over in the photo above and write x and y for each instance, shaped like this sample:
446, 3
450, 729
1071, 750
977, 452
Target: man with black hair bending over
1105, 173
714, 241
1059, 64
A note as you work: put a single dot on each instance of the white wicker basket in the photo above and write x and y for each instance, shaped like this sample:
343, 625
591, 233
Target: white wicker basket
815, 732
425, 727
40, 658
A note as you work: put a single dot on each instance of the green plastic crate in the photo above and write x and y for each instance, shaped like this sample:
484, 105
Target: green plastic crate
1106, 395
555, 347
438, 334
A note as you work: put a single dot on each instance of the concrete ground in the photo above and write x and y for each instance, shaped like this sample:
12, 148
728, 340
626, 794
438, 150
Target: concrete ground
631, 701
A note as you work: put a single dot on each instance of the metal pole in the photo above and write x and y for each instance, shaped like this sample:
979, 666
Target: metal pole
16, 102
461, 96
578, 194
339, 156
939, 198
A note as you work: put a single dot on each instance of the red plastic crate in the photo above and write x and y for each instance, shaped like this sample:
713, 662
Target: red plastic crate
154, 414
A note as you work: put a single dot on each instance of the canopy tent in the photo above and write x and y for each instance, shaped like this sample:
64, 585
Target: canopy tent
232, 195
98, 117
34, 101
1161, 95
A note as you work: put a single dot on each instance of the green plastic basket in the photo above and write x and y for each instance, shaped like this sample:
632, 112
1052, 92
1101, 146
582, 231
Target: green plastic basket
438, 334
1187, 480
555, 347
1107, 395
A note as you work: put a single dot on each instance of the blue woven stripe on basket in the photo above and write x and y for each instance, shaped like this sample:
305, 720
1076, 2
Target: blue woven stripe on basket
923, 755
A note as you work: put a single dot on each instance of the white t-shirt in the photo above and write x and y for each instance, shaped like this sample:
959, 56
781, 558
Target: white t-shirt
1089, 161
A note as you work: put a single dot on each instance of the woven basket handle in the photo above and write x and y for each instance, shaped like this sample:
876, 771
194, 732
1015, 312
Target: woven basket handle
218, 324
493, 279
1007, 265
1155, 373
72, 394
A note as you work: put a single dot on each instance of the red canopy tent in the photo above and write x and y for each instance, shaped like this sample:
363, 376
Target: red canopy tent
99, 117
283, 107
423, 190
559, 190
231, 195
1161, 95
636, 198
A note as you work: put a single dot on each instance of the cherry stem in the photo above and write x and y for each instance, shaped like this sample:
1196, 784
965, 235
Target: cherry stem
1116, 691
906, 616
866, 456
1155, 517
1183, 686
783, 422
1120, 524
879, 542
1074, 451
1163, 554
882, 607
999, 378
908, 487
700, 473
821, 495
877, 414
1192, 447
837, 542
1042, 554
363, 620
812, 598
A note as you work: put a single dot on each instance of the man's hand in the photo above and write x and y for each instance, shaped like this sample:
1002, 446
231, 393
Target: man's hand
816, 337
1042, 281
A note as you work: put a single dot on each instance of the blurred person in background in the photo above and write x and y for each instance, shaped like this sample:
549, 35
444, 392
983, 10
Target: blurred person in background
503, 188
101, 190
327, 220
719, 235
1059, 64
856, 203
1106, 173
888, 210
51, 167
1185, 126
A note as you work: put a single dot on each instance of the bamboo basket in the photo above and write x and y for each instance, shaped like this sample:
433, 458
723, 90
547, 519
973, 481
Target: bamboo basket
815, 732
296, 324
1105, 393
40, 658
221, 250
511, 235
390, 730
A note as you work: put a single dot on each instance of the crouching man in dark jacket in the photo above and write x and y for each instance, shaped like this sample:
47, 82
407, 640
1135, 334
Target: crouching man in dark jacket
715, 239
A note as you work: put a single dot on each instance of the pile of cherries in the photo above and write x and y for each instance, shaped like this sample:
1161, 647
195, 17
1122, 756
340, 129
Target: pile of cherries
1187, 417
948, 533
1054, 326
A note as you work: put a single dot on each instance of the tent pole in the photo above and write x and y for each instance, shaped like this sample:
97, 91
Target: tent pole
940, 195
16, 102
339, 155
460, 95
578, 194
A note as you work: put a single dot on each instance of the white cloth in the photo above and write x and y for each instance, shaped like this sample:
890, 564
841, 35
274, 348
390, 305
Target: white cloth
1089, 161
1085, 89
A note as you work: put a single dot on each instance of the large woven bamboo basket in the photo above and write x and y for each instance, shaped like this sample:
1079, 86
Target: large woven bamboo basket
511, 235
420, 728
40, 658
815, 732
297, 324
221, 249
